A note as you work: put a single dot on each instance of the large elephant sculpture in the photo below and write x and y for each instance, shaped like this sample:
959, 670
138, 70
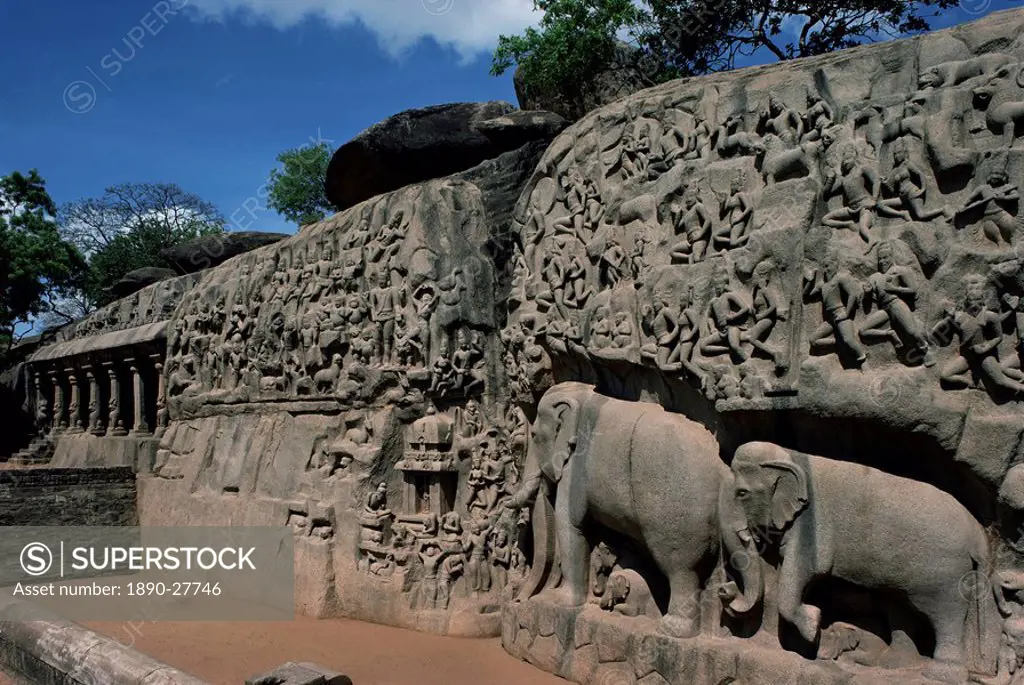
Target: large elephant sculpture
835, 519
648, 474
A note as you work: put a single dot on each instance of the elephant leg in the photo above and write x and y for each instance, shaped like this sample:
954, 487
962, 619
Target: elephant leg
947, 613
793, 580
683, 617
573, 550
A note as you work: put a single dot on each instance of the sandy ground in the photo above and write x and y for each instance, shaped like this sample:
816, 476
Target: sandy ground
228, 653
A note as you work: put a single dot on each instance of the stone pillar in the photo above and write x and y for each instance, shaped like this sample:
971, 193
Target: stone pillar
139, 427
96, 426
161, 396
38, 395
115, 426
58, 403
75, 406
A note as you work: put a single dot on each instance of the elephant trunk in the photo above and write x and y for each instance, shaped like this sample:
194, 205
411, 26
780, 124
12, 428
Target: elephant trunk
741, 553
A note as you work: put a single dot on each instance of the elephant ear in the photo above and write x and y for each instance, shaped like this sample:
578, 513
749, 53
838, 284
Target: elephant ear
566, 412
790, 496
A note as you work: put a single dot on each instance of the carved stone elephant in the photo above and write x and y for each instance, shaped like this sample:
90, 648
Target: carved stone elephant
875, 530
650, 475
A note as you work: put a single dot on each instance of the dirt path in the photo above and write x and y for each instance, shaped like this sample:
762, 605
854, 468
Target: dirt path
228, 653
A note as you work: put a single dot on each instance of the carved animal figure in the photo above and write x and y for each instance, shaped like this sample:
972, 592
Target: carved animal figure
325, 379
954, 73
872, 529
1003, 113
645, 473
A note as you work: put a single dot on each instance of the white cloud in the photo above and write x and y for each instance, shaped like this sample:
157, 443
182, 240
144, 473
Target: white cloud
468, 26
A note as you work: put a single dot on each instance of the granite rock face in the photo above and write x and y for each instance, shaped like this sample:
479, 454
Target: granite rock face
411, 147
207, 252
818, 265
722, 385
138, 279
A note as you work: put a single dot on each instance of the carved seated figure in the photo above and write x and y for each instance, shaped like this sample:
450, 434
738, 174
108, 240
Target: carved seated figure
377, 502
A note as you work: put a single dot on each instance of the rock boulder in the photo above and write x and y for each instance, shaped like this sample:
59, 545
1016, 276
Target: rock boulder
209, 251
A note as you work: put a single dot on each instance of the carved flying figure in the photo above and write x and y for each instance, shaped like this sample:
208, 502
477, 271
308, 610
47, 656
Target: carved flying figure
767, 312
998, 201
859, 187
893, 288
693, 224
737, 211
907, 182
840, 299
726, 321
980, 331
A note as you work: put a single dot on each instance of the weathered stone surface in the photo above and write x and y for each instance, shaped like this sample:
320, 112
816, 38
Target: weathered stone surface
134, 281
207, 252
816, 258
516, 129
68, 497
293, 673
411, 147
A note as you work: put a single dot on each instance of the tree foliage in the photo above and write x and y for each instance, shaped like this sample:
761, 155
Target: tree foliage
125, 229
677, 38
36, 265
297, 189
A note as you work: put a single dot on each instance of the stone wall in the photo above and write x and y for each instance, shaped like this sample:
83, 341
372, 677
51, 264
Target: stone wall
68, 497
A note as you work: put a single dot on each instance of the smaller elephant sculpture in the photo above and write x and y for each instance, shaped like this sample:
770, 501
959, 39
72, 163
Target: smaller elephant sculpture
875, 530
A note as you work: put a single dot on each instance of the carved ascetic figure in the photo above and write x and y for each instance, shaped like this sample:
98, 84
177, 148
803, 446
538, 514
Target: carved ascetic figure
859, 186
894, 291
738, 213
998, 200
907, 182
693, 223
980, 332
842, 520
377, 502
613, 462
840, 299
475, 544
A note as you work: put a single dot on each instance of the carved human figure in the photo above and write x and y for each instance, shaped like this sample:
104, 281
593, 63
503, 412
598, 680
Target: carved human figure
859, 186
377, 502
767, 312
1008, 588
430, 556
501, 559
602, 562
442, 372
819, 116
840, 298
781, 120
555, 272
737, 211
907, 182
452, 566
998, 200
612, 264
894, 290
693, 222
573, 193
451, 527
725, 324
594, 209
632, 157
577, 291
638, 258
475, 545
382, 311
980, 332
732, 138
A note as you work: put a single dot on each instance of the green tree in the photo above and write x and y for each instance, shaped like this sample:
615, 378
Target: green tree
37, 266
296, 189
676, 38
125, 229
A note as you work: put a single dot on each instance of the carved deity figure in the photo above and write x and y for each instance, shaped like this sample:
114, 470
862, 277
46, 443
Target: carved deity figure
980, 331
840, 298
501, 559
767, 313
638, 258
907, 182
818, 118
894, 289
573, 192
859, 186
998, 200
442, 372
737, 211
693, 226
727, 317
577, 292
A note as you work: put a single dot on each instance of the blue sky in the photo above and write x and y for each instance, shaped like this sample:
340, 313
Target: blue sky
208, 95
